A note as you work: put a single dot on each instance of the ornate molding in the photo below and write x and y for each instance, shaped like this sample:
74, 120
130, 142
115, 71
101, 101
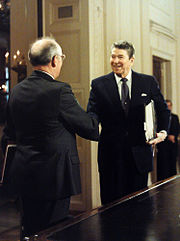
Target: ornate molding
155, 27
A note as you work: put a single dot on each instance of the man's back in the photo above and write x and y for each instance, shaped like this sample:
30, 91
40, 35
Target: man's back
45, 117
35, 107
42, 119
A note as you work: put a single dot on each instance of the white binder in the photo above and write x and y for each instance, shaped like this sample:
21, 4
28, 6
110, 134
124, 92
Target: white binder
9, 155
150, 121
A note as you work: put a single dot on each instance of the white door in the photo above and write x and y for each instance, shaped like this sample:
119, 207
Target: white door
66, 21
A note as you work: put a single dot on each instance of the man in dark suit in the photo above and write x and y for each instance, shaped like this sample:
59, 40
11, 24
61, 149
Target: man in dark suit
43, 117
168, 150
118, 99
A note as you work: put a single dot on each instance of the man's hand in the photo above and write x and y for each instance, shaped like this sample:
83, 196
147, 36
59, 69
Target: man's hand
171, 138
161, 136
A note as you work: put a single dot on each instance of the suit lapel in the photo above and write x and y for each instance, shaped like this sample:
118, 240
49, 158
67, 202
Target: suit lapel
111, 89
135, 87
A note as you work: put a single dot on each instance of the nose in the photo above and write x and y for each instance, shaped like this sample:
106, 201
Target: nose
116, 60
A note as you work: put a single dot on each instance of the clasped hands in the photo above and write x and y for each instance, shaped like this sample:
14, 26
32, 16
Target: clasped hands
161, 136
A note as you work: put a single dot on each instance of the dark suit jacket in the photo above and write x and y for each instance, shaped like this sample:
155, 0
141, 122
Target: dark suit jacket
166, 145
43, 118
105, 102
174, 126
168, 151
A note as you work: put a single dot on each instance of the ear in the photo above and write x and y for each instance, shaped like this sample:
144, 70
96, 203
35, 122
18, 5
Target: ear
53, 61
132, 60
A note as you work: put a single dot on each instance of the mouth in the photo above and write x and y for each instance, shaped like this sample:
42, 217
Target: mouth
117, 67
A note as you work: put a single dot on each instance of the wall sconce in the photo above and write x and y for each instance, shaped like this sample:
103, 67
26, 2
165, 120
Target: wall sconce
19, 65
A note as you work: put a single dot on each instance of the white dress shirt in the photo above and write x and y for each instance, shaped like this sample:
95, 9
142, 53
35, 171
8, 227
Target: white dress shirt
129, 82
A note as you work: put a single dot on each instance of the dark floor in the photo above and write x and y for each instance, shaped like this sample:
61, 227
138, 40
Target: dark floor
148, 215
9, 217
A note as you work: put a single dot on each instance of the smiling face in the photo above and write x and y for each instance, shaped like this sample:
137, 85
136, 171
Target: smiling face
120, 62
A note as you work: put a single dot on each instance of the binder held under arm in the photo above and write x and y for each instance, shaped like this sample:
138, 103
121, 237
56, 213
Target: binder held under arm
150, 122
7, 162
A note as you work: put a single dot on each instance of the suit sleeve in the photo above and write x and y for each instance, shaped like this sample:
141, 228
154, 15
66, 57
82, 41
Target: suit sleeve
73, 116
162, 112
92, 103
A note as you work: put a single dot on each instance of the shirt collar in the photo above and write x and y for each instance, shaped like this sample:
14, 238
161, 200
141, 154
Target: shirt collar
46, 73
129, 77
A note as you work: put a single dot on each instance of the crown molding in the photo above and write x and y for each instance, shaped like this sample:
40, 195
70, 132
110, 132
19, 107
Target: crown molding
155, 27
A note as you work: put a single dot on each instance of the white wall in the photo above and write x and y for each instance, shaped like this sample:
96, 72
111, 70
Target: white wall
23, 29
123, 22
153, 27
164, 42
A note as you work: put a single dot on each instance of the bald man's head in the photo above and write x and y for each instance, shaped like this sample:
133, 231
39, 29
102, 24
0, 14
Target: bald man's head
43, 50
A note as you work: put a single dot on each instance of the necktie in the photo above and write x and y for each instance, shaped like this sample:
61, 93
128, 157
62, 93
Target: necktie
125, 100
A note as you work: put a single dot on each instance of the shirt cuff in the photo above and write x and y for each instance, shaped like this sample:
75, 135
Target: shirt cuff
163, 131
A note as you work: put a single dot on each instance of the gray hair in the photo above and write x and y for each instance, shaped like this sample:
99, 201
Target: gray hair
43, 50
126, 46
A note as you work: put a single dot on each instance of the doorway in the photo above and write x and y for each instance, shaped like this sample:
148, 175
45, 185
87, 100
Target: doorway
162, 73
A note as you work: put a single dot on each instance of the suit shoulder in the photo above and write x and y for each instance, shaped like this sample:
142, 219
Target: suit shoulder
174, 116
61, 84
145, 79
100, 79
19, 85
143, 76
64, 87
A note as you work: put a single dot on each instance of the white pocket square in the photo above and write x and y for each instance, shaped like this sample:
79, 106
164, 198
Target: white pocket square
143, 94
